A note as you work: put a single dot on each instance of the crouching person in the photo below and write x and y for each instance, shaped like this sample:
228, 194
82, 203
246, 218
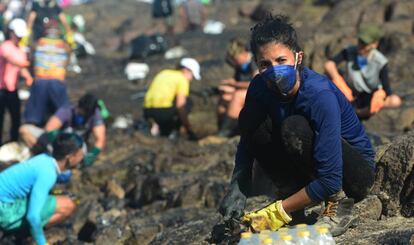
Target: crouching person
25, 187
85, 119
303, 133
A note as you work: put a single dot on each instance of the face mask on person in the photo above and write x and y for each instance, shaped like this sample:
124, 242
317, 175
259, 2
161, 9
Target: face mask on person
78, 120
281, 78
64, 177
362, 61
245, 66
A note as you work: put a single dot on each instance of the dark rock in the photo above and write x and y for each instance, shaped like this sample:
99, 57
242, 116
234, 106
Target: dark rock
393, 182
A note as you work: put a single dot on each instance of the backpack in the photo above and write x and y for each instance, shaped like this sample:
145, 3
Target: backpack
144, 46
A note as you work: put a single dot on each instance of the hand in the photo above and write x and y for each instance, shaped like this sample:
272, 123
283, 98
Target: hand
271, 217
90, 157
29, 81
70, 40
377, 101
233, 203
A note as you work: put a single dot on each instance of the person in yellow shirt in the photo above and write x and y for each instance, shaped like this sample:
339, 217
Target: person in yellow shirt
166, 104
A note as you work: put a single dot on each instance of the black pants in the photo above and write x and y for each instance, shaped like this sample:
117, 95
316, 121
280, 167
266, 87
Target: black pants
286, 152
166, 118
11, 102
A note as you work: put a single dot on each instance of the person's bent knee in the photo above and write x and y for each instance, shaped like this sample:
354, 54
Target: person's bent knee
393, 101
65, 206
297, 135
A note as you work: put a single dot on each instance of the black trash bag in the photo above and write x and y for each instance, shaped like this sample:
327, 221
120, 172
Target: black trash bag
162, 8
143, 46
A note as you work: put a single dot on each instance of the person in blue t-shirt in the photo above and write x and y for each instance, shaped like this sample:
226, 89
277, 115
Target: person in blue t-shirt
302, 132
25, 187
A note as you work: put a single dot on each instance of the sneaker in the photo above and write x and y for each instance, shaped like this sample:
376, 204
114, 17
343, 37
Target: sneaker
337, 215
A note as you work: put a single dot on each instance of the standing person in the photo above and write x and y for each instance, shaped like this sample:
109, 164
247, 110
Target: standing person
303, 133
193, 15
25, 187
13, 62
49, 90
42, 12
233, 91
163, 15
84, 119
166, 104
367, 86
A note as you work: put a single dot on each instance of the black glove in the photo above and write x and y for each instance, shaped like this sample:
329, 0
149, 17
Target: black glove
233, 203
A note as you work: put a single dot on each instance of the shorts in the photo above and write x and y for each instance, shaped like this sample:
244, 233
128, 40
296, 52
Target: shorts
46, 97
362, 100
12, 215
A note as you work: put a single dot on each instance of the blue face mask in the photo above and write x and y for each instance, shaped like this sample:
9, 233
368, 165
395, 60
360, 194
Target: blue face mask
281, 78
78, 120
64, 177
245, 66
362, 61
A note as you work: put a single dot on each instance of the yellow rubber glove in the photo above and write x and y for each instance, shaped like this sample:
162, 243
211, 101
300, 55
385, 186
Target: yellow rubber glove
24, 42
271, 217
70, 40
377, 100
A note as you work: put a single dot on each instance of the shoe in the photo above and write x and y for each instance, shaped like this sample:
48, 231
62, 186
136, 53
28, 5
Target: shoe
337, 216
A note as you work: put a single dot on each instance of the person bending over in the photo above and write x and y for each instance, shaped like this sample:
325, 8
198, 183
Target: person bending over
25, 187
166, 103
84, 119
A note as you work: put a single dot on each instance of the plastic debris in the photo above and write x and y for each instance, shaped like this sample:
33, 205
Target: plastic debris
14, 152
175, 53
136, 71
23, 94
213, 27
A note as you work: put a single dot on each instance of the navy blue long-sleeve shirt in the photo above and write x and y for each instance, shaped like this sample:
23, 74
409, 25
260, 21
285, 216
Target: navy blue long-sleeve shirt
331, 117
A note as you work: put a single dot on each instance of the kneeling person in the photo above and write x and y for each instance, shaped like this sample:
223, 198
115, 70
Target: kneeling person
84, 119
25, 187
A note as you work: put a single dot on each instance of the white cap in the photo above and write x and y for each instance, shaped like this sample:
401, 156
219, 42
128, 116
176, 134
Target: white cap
192, 65
19, 27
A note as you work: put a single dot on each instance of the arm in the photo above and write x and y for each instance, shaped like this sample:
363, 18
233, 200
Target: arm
64, 22
37, 200
19, 60
181, 101
30, 20
99, 135
242, 84
332, 70
27, 77
54, 123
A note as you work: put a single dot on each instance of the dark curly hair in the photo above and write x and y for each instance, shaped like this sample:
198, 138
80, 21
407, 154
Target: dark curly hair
88, 103
276, 29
